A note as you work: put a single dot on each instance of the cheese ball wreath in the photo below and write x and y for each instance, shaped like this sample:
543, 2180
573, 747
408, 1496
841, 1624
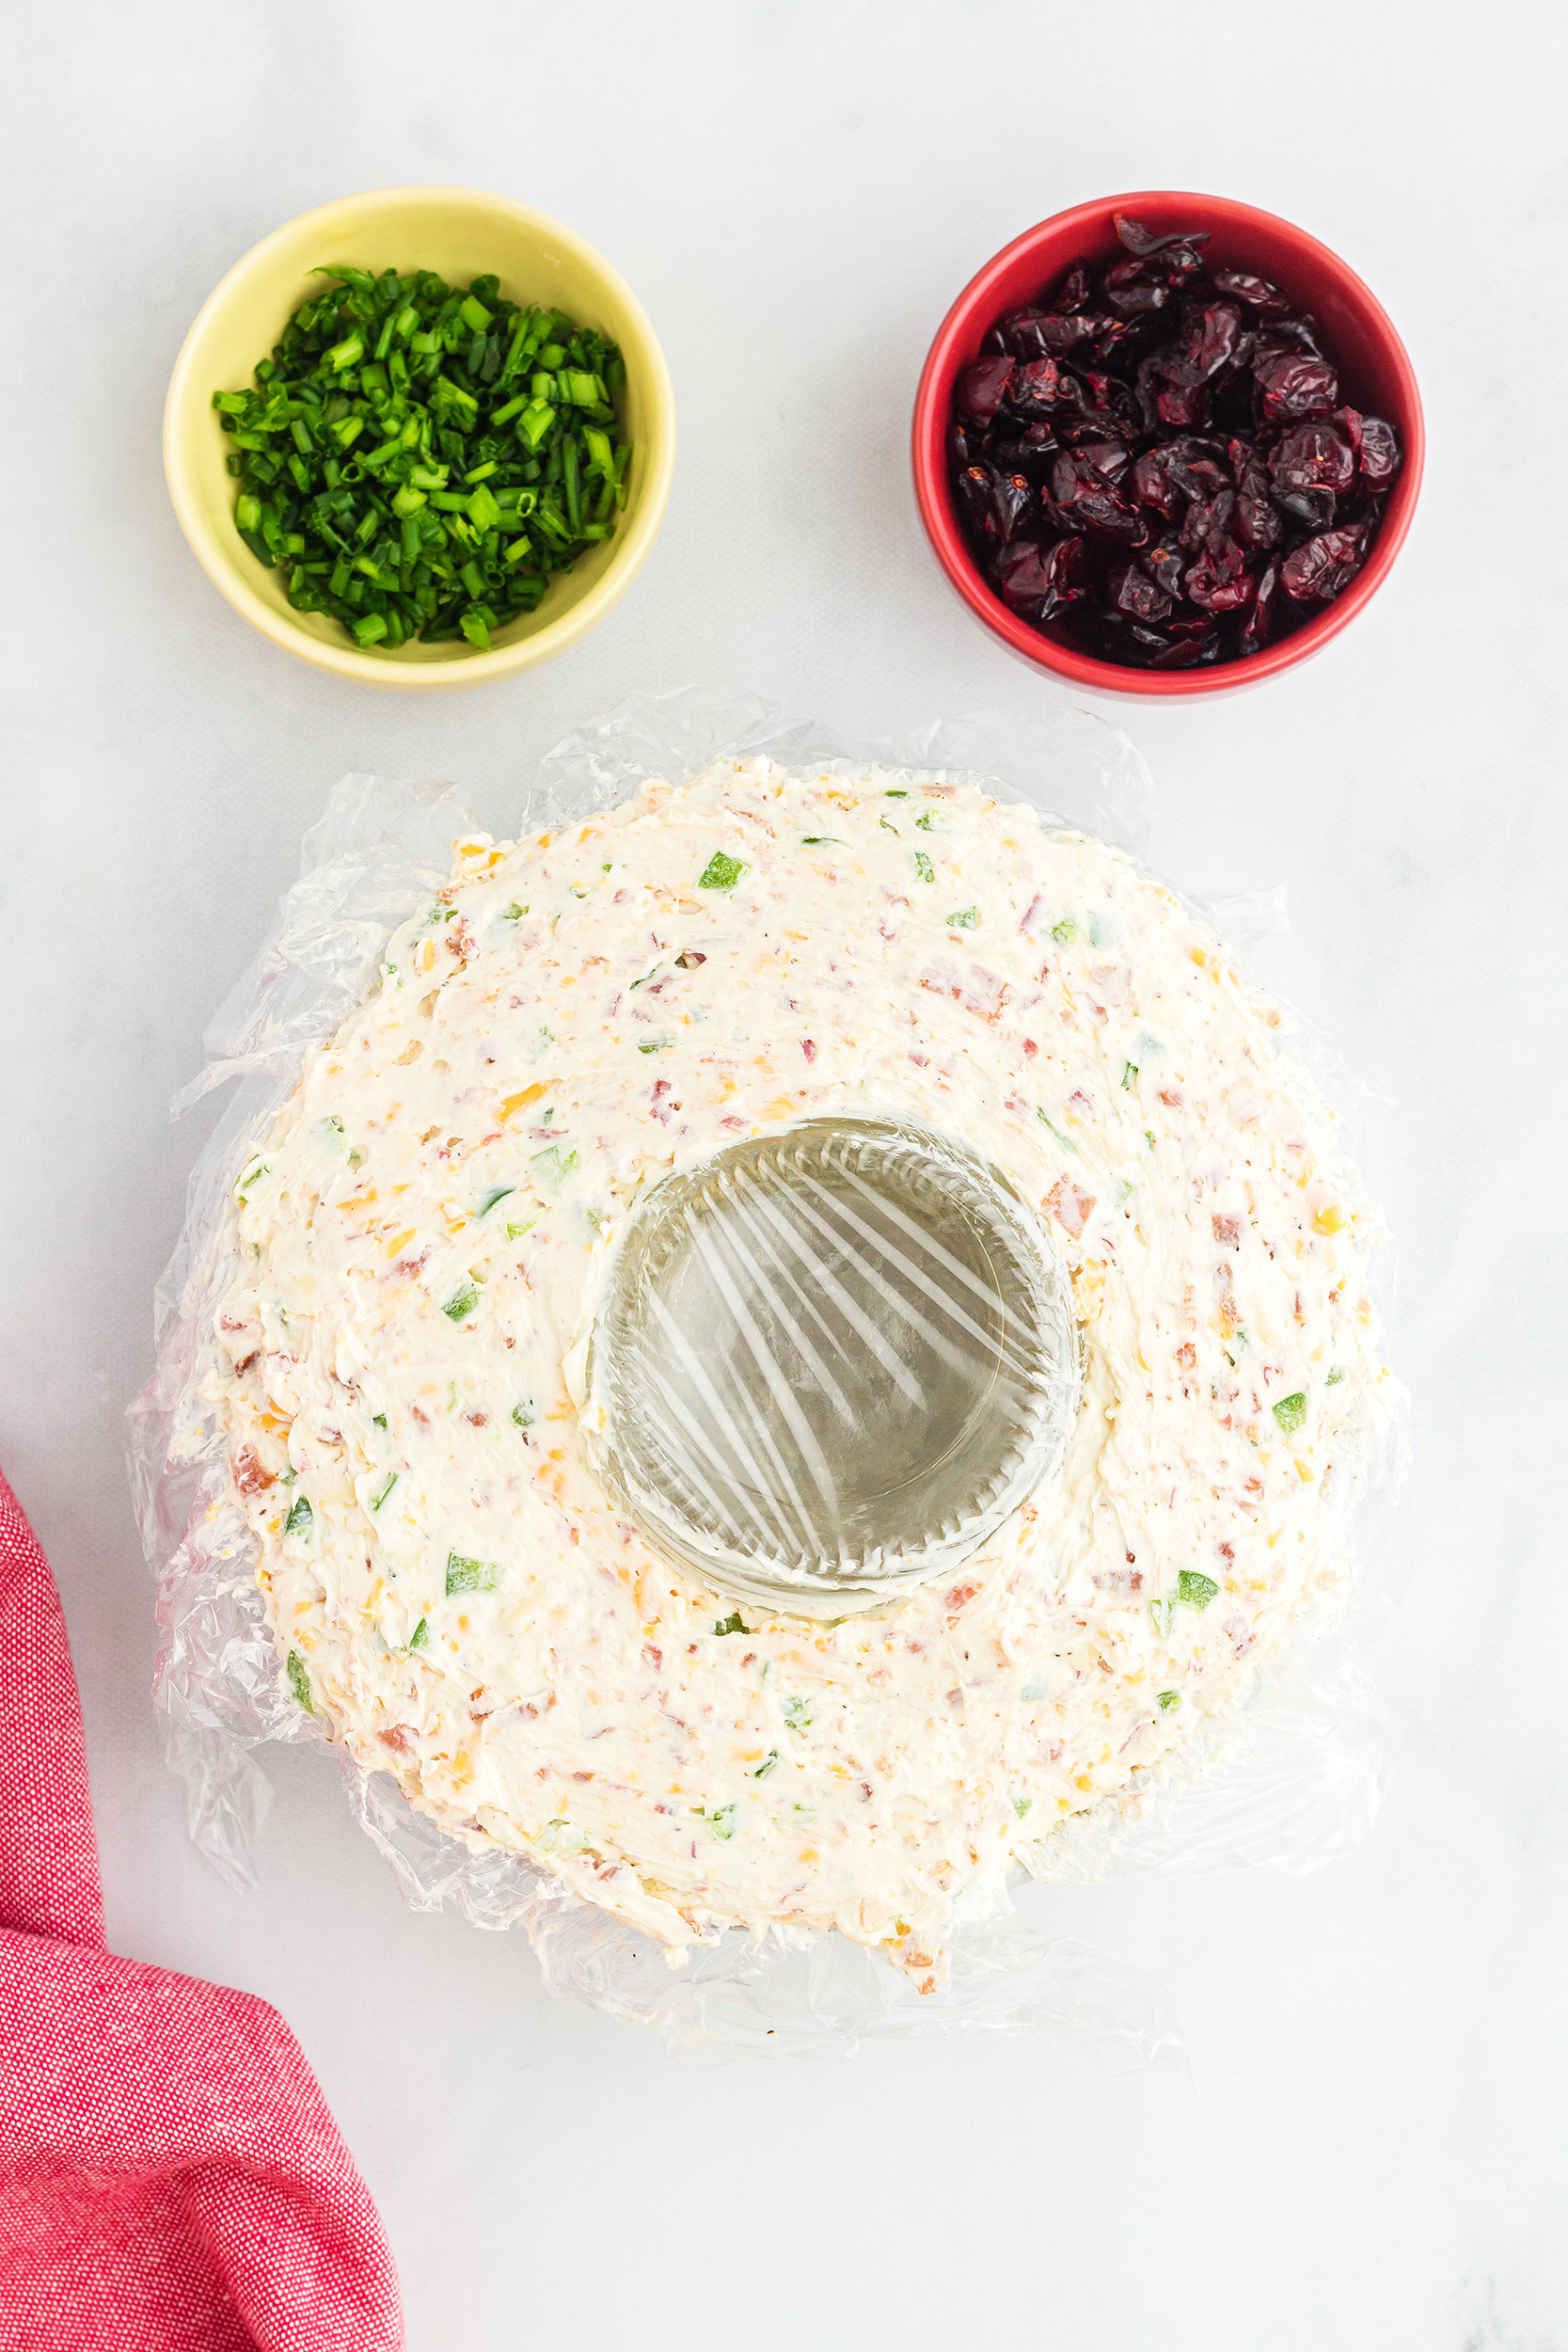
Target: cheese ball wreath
420, 1244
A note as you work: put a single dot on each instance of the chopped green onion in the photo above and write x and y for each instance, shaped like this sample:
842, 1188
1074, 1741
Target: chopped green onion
421, 1634
1194, 1591
1169, 1700
1163, 1612
409, 375
301, 1520
385, 1493
1129, 1074
923, 867
299, 1682
966, 919
462, 1302
1290, 1412
767, 1765
722, 872
732, 1624
1064, 932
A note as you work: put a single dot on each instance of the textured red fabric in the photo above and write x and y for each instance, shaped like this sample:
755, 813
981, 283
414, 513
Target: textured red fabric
170, 2179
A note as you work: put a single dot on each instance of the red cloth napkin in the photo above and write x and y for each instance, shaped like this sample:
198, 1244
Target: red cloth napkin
170, 2179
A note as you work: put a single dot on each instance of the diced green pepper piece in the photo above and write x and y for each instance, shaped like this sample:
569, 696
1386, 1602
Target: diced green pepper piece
1290, 1412
722, 872
471, 1575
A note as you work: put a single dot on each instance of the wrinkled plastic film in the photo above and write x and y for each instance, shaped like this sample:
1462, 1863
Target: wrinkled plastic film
1288, 1781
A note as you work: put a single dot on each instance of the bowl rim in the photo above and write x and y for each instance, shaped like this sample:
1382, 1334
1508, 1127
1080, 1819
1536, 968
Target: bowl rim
630, 549
929, 433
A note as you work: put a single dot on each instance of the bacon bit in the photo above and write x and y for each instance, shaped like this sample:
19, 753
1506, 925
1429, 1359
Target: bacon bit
661, 1109
245, 1361
1242, 1637
983, 994
808, 1048
1029, 913
1118, 1580
1228, 1232
480, 1420
691, 957
1080, 1101
461, 941
737, 1124
1301, 1312
514, 1103
959, 1594
1171, 1097
1029, 1046
411, 1266
1230, 1317
227, 1323
1069, 1206
1227, 1551
955, 1696
582, 1775
421, 1415
249, 1476
397, 1739
1186, 1355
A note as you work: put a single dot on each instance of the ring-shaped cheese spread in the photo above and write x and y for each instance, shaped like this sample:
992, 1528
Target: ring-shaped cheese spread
420, 1242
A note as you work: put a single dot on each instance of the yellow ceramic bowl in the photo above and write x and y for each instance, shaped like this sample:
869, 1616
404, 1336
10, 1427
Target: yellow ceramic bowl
463, 234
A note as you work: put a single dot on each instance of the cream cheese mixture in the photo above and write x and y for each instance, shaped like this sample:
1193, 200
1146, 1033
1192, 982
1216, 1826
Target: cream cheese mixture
421, 1241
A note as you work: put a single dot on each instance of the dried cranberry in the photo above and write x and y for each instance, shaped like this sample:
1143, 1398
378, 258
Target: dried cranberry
1152, 484
1166, 563
1316, 571
1043, 582
1379, 453
1047, 334
1143, 242
1207, 521
1131, 292
1039, 389
1219, 581
1291, 385
983, 387
1089, 501
1217, 337
1132, 592
1189, 653
1073, 292
1256, 522
1257, 628
1310, 467
1256, 291
996, 502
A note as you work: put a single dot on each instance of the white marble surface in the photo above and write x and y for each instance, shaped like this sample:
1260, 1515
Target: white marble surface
1373, 2154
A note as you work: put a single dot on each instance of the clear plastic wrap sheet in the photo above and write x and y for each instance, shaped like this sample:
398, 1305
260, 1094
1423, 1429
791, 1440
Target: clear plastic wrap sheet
1288, 1781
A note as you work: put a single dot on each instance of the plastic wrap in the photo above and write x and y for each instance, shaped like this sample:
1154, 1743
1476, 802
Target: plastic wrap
1289, 1779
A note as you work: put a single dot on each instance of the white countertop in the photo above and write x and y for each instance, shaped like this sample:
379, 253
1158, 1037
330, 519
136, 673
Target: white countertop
1373, 2153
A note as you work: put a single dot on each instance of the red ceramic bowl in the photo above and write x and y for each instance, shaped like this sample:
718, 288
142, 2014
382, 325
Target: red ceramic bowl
1374, 374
